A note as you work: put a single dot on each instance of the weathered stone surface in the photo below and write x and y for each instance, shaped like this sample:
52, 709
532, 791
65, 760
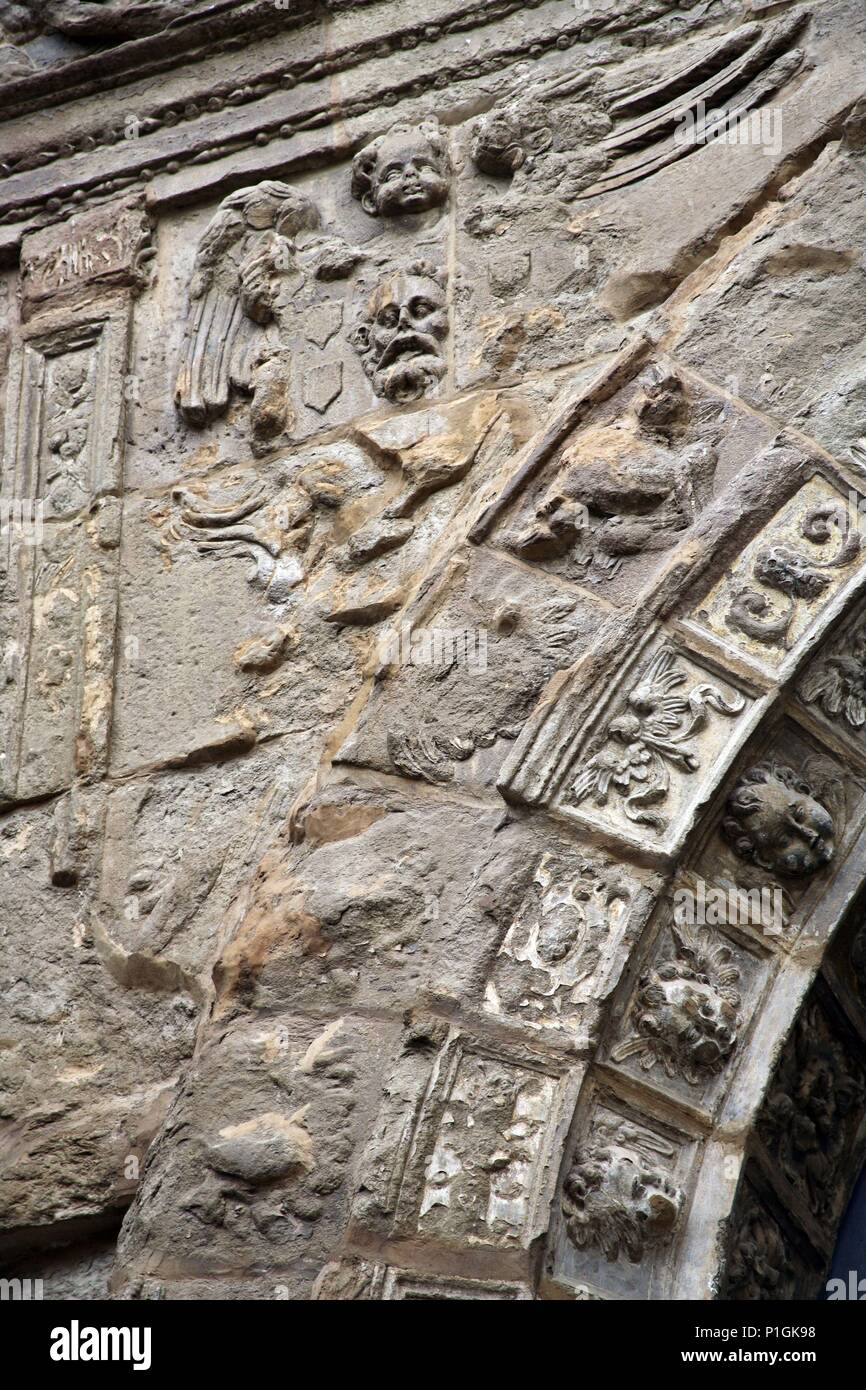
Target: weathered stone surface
432, 662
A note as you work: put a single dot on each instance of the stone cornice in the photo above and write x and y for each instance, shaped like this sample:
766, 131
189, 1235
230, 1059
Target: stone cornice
62, 177
204, 32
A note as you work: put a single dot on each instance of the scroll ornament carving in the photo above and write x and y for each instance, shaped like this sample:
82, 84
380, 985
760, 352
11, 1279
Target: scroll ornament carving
400, 332
406, 170
648, 738
687, 1012
246, 526
793, 573
67, 430
615, 1200
776, 820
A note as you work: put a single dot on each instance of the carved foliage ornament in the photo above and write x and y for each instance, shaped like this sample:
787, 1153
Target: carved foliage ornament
806, 1118
759, 1265
836, 683
686, 1014
614, 1199
650, 736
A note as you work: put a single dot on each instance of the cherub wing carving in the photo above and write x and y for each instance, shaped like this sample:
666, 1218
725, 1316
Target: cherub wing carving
247, 245
614, 137
696, 103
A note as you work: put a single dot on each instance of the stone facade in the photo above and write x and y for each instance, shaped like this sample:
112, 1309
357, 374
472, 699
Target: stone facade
432, 610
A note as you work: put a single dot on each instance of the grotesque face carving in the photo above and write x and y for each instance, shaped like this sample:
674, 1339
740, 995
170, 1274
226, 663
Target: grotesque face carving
775, 820
616, 1202
404, 171
690, 1023
401, 331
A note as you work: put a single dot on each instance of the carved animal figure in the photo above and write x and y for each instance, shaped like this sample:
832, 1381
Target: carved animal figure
622, 489
687, 1009
614, 1200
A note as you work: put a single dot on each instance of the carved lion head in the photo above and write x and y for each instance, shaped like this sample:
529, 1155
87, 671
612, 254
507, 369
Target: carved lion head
689, 1021
614, 1201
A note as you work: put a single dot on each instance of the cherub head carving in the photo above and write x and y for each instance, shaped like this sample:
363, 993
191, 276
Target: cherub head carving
615, 1201
775, 819
405, 170
400, 332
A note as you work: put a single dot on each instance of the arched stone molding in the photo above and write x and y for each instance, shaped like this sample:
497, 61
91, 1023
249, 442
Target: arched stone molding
550, 1126
432, 342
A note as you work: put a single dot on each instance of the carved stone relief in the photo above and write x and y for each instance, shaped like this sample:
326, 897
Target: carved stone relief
462, 1142
761, 1264
617, 487
651, 745
686, 1014
787, 575
622, 490
554, 962
98, 250
400, 333
595, 138
262, 267
616, 1198
812, 1112
529, 613
62, 475
775, 820
406, 170
348, 1280
835, 682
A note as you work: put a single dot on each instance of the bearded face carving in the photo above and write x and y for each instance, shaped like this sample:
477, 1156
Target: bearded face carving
406, 170
615, 1201
400, 333
775, 820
